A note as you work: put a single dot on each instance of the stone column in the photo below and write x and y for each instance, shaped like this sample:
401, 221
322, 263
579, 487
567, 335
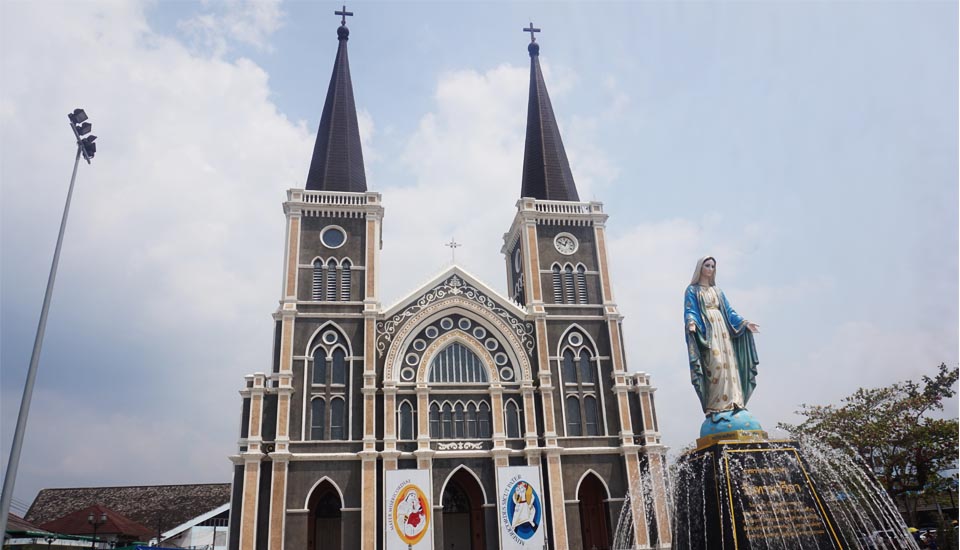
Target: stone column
251, 465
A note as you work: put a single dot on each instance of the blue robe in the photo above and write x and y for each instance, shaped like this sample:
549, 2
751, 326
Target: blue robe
698, 343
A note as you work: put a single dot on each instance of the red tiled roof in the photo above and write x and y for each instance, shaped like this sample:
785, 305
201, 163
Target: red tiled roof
76, 523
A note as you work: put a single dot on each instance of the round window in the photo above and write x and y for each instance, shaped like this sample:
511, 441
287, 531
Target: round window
446, 323
333, 237
407, 374
501, 358
431, 332
575, 339
412, 358
419, 345
491, 344
506, 373
464, 323
329, 337
479, 332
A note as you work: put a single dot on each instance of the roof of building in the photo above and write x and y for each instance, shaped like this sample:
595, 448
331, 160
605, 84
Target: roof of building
546, 170
153, 506
114, 523
16, 523
337, 163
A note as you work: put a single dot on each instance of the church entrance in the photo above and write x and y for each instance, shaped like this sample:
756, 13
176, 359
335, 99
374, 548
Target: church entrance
324, 528
593, 514
463, 527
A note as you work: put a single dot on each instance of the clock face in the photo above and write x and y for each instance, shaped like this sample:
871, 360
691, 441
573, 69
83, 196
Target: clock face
565, 243
516, 260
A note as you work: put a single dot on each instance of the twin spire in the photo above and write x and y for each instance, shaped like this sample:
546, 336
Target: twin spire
337, 163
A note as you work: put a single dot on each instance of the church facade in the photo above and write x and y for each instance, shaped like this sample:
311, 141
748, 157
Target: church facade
457, 381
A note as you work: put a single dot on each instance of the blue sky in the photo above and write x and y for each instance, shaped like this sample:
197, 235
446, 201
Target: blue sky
810, 146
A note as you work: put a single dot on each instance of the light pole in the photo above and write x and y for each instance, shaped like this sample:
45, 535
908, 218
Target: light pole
49, 538
86, 148
96, 522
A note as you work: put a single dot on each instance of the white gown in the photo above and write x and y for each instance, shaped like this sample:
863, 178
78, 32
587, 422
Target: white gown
723, 380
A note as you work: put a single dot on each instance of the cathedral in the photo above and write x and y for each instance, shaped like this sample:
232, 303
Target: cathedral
463, 417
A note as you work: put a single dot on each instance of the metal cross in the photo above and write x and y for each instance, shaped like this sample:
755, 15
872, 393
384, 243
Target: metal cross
453, 245
343, 15
531, 29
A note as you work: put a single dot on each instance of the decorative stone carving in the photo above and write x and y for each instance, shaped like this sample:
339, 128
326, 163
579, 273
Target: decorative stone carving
460, 446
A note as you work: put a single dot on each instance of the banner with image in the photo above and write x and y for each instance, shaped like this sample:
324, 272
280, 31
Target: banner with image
409, 512
520, 511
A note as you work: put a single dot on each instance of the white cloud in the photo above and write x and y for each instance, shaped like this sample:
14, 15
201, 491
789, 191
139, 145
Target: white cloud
245, 21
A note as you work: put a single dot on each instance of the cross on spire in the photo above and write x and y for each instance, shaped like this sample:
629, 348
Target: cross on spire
453, 245
343, 15
531, 29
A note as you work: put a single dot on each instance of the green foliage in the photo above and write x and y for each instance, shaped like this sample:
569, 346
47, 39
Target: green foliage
892, 429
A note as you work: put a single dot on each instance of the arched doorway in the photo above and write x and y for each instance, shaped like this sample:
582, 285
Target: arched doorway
593, 514
462, 501
324, 531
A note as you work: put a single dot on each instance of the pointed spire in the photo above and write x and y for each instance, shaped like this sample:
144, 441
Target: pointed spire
546, 170
337, 163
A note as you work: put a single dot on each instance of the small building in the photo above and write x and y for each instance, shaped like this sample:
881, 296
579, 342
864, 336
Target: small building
101, 524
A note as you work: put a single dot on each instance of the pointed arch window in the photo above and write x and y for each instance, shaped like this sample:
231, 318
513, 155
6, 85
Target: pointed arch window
557, 285
331, 295
483, 421
339, 367
591, 424
317, 418
513, 419
405, 419
581, 284
586, 367
320, 366
574, 424
470, 421
446, 421
345, 266
569, 368
459, 430
434, 420
337, 416
568, 285
457, 364
316, 289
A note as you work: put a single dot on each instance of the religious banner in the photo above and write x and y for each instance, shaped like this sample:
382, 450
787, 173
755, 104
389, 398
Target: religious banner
409, 513
520, 507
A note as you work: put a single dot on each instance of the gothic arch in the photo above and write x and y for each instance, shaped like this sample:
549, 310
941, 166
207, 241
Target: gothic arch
469, 471
467, 308
461, 337
563, 337
306, 501
588, 472
312, 341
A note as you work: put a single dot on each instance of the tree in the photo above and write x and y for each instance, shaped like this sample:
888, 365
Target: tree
893, 430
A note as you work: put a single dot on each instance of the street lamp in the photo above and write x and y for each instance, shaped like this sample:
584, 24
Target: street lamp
86, 148
49, 538
96, 522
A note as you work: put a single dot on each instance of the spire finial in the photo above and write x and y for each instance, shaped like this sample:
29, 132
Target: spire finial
453, 245
343, 33
533, 47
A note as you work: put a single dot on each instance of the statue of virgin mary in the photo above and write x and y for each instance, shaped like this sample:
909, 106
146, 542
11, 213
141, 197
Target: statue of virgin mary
723, 357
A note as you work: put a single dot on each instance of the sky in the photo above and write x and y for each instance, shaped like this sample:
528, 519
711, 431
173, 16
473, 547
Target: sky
811, 147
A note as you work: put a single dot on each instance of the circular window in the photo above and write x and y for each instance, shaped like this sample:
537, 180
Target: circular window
431, 332
333, 236
491, 344
419, 345
501, 359
575, 339
407, 374
506, 373
446, 323
464, 323
329, 337
412, 358
479, 333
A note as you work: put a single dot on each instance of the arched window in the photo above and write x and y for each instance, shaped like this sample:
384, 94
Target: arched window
471, 420
590, 415
339, 367
458, 427
586, 368
483, 421
569, 368
574, 427
405, 420
320, 366
331, 280
446, 421
316, 290
317, 418
557, 285
568, 286
581, 285
337, 419
512, 417
457, 364
434, 421
345, 280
